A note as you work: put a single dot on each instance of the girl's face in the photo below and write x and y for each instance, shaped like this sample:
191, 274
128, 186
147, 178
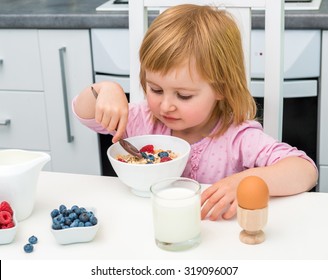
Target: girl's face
182, 100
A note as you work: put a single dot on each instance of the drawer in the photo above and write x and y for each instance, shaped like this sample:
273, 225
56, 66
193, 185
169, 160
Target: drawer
20, 63
23, 121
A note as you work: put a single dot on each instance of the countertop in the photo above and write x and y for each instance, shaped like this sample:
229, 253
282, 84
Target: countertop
81, 14
297, 227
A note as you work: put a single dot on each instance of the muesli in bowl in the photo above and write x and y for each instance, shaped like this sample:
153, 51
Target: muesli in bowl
150, 155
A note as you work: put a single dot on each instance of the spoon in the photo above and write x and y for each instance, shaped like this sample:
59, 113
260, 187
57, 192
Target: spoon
132, 150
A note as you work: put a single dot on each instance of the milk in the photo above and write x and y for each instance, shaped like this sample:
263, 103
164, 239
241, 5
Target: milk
176, 214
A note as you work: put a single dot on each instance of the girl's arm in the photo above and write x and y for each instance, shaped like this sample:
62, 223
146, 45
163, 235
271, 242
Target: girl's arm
110, 109
289, 176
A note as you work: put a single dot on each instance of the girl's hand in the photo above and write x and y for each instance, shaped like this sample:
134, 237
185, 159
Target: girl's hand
219, 200
111, 109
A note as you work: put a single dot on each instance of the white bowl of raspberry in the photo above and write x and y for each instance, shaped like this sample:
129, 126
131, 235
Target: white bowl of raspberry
8, 223
163, 156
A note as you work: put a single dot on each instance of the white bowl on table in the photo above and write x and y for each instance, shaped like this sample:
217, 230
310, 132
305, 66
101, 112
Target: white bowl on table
139, 177
73, 235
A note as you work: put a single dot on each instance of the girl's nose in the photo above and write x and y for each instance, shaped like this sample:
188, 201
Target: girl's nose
167, 104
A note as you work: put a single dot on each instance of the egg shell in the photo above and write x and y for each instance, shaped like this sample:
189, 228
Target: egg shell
252, 193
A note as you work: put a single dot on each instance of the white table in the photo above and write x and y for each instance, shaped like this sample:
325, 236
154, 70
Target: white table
297, 226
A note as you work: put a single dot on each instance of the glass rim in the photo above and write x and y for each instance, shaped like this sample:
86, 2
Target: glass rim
197, 190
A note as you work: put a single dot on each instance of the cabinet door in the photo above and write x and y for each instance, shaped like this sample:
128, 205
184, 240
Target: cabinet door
23, 121
20, 66
67, 69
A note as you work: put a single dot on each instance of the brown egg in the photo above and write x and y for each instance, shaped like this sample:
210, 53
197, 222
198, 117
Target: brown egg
252, 193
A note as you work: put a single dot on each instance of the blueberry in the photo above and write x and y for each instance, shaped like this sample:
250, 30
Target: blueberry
33, 239
93, 220
144, 155
56, 226
68, 221
58, 219
54, 213
72, 216
163, 154
75, 223
62, 209
88, 224
28, 248
81, 224
151, 157
84, 217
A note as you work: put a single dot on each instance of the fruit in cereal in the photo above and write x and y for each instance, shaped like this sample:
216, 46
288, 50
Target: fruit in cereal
147, 149
149, 155
164, 159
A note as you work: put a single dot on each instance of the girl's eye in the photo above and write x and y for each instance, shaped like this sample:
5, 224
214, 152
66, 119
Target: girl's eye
156, 90
184, 97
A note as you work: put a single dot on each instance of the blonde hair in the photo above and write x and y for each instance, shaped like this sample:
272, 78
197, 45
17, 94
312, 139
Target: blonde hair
211, 37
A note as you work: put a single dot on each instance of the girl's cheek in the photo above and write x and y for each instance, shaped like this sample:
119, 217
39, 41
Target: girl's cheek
152, 103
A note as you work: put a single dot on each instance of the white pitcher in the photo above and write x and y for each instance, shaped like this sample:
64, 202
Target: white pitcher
19, 172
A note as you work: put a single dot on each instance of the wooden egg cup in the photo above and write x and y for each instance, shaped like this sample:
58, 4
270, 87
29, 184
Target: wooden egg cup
252, 221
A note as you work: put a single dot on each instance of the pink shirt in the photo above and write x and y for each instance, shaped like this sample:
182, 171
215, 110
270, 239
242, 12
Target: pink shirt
211, 159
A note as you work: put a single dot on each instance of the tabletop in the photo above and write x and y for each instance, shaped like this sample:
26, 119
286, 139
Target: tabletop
297, 227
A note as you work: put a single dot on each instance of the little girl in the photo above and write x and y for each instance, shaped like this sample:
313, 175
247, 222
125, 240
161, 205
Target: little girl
193, 76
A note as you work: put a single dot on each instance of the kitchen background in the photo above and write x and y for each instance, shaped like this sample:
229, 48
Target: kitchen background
51, 50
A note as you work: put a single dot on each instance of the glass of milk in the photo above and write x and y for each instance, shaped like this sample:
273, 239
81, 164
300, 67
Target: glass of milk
176, 213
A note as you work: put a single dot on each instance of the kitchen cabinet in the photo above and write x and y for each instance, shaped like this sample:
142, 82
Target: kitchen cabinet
22, 113
40, 73
323, 112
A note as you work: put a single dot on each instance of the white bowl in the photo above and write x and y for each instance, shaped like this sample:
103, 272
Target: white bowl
139, 177
8, 235
76, 234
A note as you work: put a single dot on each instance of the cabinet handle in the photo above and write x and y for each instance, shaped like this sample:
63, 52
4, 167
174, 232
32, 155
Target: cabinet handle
62, 51
5, 122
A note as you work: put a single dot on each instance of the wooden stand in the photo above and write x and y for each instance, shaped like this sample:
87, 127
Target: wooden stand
252, 221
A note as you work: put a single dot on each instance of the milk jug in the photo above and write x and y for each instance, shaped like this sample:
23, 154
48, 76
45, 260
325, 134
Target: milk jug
19, 172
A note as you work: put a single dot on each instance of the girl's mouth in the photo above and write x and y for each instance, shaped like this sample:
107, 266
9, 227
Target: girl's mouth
169, 118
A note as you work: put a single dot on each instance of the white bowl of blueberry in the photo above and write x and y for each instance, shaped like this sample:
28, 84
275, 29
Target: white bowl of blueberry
162, 156
74, 225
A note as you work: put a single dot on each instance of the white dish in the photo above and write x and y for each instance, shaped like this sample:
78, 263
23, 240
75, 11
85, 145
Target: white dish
76, 234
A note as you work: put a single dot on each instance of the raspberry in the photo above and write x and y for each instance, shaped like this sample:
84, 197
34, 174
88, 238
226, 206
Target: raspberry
148, 149
5, 206
10, 225
5, 217
164, 159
